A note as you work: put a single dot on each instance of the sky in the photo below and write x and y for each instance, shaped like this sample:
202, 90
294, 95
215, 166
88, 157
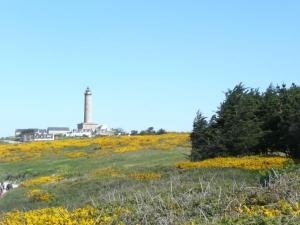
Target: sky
148, 63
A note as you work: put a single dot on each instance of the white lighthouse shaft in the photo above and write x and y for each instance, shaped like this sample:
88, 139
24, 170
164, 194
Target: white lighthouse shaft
88, 106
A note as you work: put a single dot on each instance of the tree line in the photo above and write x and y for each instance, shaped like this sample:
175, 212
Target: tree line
149, 131
250, 122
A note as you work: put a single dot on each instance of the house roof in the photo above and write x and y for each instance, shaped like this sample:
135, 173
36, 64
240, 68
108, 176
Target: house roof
28, 129
58, 129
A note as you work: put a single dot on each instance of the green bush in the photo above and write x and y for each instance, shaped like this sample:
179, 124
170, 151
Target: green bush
250, 122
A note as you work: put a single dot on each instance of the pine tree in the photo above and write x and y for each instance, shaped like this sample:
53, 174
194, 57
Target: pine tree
269, 114
198, 137
238, 122
250, 122
290, 120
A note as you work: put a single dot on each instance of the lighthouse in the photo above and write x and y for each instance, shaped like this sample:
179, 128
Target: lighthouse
88, 124
88, 106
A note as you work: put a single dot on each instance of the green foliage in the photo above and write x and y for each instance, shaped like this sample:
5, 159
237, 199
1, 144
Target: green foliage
250, 122
237, 120
196, 196
134, 132
270, 175
151, 131
119, 131
200, 139
258, 220
161, 131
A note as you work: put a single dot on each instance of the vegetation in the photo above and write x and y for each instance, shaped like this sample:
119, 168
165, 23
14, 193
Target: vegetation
247, 175
250, 122
152, 185
99, 146
82, 216
149, 131
248, 162
42, 180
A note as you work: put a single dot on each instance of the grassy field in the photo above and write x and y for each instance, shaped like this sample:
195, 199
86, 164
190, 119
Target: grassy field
92, 182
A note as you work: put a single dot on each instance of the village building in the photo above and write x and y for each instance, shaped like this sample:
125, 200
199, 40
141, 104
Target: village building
26, 135
80, 133
85, 129
19, 132
103, 130
58, 130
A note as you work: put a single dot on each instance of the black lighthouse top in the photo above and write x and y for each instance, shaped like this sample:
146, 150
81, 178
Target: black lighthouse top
88, 91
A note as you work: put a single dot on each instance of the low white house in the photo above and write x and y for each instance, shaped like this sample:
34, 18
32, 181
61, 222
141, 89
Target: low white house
58, 130
80, 133
103, 130
37, 137
26, 135
20, 132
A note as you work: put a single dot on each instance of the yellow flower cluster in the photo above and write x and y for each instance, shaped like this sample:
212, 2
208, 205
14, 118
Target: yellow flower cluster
145, 176
74, 155
42, 180
106, 172
38, 195
248, 162
279, 209
61, 216
113, 144
136, 176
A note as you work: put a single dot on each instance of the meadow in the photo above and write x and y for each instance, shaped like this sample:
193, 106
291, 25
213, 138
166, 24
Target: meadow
143, 180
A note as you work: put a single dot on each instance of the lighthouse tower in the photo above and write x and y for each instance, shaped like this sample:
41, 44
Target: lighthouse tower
88, 106
88, 124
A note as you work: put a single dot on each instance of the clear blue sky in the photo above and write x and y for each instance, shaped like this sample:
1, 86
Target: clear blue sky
148, 63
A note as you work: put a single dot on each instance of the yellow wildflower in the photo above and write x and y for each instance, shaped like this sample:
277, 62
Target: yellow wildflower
248, 162
42, 180
38, 195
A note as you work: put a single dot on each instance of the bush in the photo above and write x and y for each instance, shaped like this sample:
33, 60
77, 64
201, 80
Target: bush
250, 122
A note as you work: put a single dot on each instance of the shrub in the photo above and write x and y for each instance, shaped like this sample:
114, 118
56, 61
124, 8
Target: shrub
250, 122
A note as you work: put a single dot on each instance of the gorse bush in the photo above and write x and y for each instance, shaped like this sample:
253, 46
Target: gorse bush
61, 216
250, 122
248, 162
41, 180
38, 195
101, 146
222, 196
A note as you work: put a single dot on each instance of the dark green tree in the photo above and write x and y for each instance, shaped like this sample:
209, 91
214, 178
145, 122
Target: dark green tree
289, 126
250, 122
161, 131
269, 114
134, 132
237, 121
199, 137
148, 131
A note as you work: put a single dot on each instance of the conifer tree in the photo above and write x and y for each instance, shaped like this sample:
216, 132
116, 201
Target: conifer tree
250, 122
198, 137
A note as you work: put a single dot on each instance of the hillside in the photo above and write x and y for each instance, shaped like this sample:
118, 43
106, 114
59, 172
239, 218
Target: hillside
143, 180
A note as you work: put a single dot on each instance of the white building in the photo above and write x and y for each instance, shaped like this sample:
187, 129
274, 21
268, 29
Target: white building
20, 132
80, 133
27, 135
103, 130
37, 137
58, 130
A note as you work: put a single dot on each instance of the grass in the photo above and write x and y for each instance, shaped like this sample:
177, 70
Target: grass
130, 181
79, 180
